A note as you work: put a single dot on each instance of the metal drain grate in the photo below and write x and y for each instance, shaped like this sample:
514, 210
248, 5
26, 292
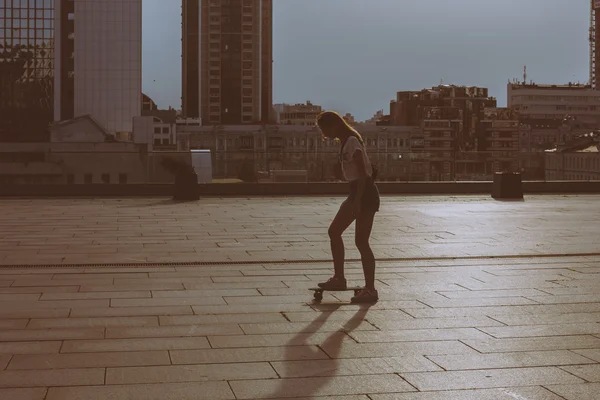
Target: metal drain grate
271, 262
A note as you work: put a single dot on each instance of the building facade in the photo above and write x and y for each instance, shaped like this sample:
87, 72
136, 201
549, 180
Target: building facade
27, 49
579, 159
534, 101
98, 61
297, 114
444, 102
227, 61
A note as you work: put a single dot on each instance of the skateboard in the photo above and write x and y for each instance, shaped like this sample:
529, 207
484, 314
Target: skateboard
319, 291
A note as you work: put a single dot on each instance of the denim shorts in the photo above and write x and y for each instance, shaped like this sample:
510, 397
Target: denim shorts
370, 199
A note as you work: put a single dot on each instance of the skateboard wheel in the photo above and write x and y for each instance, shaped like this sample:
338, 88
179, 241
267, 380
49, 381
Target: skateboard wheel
318, 295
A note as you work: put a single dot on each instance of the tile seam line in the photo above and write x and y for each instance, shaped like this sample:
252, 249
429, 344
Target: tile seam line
296, 261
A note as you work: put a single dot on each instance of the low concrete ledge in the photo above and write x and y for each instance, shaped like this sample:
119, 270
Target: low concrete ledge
291, 189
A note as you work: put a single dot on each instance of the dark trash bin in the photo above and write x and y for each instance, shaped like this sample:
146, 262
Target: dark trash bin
507, 185
186, 186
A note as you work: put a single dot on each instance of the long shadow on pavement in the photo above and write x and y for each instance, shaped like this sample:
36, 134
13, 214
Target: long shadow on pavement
333, 344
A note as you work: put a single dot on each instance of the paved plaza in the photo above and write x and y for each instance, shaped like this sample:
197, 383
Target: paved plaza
152, 299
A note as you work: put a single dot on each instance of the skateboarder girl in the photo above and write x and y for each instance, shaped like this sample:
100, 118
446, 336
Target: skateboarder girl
360, 206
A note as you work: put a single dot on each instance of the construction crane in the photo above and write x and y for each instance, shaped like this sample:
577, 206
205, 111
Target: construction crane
594, 44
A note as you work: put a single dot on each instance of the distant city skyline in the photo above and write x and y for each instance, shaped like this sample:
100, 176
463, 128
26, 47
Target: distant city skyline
343, 56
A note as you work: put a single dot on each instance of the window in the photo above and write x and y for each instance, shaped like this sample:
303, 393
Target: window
247, 81
165, 129
157, 129
88, 178
246, 73
247, 37
247, 100
215, 63
70, 179
215, 109
215, 81
247, 46
156, 142
105, 178
247, 65
247, 109
215, 54
165, 141
247, 56
247, 118
122, 179
215, 91
247, 91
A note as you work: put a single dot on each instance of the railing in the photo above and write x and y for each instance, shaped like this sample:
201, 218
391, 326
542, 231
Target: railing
136, 167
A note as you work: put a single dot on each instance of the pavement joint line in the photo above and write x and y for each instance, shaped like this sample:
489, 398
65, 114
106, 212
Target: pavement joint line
297, 261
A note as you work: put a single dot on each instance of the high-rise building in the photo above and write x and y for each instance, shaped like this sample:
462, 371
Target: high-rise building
26, 69
227, 61
98, 61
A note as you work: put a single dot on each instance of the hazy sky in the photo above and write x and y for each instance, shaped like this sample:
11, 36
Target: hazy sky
354, 55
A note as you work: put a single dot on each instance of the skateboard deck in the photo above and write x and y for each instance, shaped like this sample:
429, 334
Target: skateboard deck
319, 291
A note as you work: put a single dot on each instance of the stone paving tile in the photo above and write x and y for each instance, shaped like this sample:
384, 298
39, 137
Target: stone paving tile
590, 373
164, 391
509, 360
291, 327
130, 311
418, 335
384, 323
174, 331
23, 394
4, 359
96, 295
250, 354
542, 330
222, 319
593, 354
74, 304
168, 302
513, 393
586, 391
92, 322
18, 297
234, 285
30, 347
204, 293
360, 366
350, 349
344, 315
189, 373
535, 344
99, 287
143, 344
548, 318
89, 360
274, 340
322, 386
482, 379
39, 289
504, 310
470, 294
250, 308
45, 378
13, 323
50, 334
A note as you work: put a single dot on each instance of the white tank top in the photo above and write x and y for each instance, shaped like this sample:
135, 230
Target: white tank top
349, 166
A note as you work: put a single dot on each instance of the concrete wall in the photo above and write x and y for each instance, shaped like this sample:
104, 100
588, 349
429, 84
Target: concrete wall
295, 189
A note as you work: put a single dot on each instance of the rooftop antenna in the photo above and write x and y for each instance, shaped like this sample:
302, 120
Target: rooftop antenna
525, 75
